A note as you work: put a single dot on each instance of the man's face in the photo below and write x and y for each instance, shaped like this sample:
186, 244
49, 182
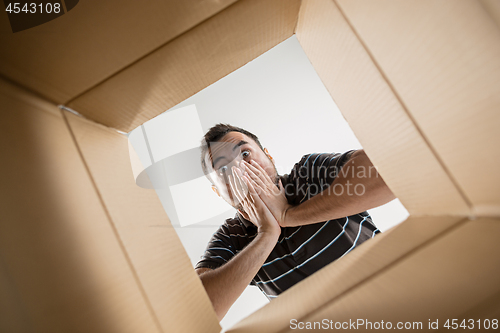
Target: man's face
228, 152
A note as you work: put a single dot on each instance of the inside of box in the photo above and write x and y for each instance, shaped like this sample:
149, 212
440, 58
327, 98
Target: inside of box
417, 82
280, 98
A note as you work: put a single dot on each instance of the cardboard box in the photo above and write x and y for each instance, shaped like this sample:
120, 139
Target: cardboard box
418, 81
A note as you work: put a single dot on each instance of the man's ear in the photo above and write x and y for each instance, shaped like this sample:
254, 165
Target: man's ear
268, 155
215, 190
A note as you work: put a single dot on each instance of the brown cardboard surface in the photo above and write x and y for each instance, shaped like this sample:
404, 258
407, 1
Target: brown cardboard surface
189, 63
162, 265
443, 60
387, 133
487, 309
493, 9
64, 57
14, 316
82, 248
342, 276
441, 281
62, 268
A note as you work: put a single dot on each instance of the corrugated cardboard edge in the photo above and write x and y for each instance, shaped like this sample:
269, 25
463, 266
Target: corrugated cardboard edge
189, 63
447, 279
169, 283
376, 115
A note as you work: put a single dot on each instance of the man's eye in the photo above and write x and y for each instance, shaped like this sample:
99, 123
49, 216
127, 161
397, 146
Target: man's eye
245, 153
223, 169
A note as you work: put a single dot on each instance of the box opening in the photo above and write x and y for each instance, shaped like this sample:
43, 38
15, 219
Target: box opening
278, 97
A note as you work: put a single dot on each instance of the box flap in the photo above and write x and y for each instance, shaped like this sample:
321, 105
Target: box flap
63, 58
446, 279
186, 65
342, 276
377, 116
61, 262
442, 59
163, 268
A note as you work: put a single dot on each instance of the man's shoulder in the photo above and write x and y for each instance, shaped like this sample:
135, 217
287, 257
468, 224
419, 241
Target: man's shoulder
312, 159
318, 160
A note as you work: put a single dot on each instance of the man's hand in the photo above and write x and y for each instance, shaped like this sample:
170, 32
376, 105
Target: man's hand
272, 196
225, 284
255, 210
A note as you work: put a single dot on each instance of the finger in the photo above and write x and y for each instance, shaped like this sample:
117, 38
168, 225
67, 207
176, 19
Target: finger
260, 171
232, 185
237, 188
244, 202
258, 175
239, 182
256, 180
253, 193
241, 186
270, 185
282, 188
252, 190
234, 188
245, 215
248, 202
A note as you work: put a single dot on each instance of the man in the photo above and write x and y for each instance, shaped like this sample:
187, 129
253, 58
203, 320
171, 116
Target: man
286, 227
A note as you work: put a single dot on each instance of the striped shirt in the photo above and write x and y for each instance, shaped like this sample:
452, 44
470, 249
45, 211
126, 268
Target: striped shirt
303, 250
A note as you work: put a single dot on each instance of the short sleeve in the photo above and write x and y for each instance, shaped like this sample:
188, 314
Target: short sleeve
315, 172
328, 166
218, 251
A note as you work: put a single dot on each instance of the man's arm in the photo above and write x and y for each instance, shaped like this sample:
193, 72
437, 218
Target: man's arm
349, 194
225, 284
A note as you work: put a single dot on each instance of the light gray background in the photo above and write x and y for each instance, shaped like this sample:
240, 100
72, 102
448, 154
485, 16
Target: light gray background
280, 98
